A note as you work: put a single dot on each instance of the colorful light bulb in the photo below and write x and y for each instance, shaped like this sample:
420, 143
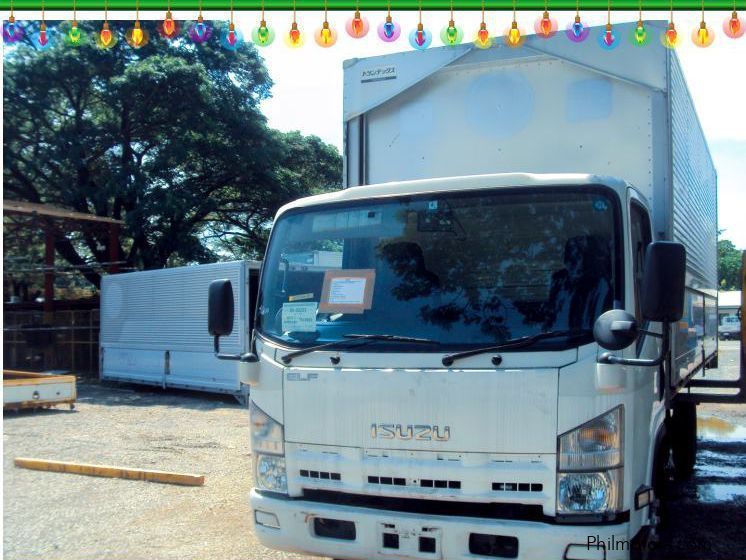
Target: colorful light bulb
577, 32
451, 35
325, 36
262, 35
420, 38
640, 34
231, 39
74, 37
169, 25
200, 31
43, 39
482, 40
703, 36
545, 26
168, 28
607, 39
733, 27
105, 39
136, 36
12, 32
294, 38
389, 31
105, 35
357, 26
513, 36
670, 38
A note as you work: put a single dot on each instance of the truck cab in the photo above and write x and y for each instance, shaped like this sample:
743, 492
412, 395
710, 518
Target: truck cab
436, 391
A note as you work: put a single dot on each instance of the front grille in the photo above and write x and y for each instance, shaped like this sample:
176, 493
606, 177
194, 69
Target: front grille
321, 475
517, 487
429, 507
423, 483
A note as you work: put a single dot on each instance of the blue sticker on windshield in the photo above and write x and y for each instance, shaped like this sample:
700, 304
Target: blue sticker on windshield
600, 205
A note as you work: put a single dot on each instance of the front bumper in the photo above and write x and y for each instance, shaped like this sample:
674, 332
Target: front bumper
450, 536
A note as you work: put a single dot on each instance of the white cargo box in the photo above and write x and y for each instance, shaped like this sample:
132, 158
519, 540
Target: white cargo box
154, 326
552, 106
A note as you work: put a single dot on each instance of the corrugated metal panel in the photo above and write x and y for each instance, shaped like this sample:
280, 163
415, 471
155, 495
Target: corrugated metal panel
167, 309
694, 185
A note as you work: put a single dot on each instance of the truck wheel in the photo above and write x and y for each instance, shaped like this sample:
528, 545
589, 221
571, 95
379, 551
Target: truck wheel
684, 438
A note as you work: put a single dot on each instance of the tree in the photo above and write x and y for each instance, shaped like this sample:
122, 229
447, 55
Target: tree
170, 138
729, 266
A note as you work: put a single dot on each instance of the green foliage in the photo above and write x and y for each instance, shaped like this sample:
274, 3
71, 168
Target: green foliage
729, 266
170, 138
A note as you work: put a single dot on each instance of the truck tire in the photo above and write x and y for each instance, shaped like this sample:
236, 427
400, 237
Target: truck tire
683, 435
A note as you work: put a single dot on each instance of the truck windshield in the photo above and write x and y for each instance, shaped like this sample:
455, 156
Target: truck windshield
462, 269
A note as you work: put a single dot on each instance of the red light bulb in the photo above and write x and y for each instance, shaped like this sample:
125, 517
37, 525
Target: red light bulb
671, 34
294, 33
169, 25
483, 35
546, 24
357, 23
734, 24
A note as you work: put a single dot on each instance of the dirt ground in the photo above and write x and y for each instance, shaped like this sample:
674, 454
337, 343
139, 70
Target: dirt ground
61, 516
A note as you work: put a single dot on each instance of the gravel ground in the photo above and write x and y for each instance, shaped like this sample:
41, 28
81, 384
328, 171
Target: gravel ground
61, 516
58, 516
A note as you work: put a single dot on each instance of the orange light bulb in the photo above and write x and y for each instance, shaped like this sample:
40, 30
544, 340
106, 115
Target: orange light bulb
137, 34
483, 36
105, 35
671, 35
514, 35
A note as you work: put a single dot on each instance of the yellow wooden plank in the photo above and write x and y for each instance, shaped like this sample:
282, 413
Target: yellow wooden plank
46, 380
110, 471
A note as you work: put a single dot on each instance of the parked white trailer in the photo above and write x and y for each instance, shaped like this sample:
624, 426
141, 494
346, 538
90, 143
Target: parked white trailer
526, 280
153, 327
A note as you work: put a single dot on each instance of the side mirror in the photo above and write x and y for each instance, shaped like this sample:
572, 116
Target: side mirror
662, 294
220, 308
616, 329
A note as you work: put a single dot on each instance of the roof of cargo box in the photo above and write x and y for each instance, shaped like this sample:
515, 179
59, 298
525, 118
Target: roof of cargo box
370, 82
446, 184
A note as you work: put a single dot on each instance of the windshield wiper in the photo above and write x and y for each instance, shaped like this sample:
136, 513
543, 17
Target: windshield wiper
356, 340
520, 342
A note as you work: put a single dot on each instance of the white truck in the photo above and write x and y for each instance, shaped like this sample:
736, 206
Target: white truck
528, 281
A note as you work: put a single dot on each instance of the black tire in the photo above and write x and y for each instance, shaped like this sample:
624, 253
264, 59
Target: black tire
683, 434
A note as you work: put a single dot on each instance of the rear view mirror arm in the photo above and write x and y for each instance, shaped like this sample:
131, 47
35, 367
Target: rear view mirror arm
248, 357
609, 358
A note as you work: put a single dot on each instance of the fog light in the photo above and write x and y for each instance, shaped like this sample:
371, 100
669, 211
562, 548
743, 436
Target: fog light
266, 519
584, 552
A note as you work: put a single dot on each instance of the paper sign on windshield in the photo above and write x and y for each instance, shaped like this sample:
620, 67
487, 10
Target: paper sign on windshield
347, 291
299, 317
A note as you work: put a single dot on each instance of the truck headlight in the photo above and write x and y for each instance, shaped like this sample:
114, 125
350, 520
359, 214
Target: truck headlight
590, 469
270, 473
595, 445
266, 433
592, 492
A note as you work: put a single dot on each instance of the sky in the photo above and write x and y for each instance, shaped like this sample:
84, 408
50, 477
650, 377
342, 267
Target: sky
307, 92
